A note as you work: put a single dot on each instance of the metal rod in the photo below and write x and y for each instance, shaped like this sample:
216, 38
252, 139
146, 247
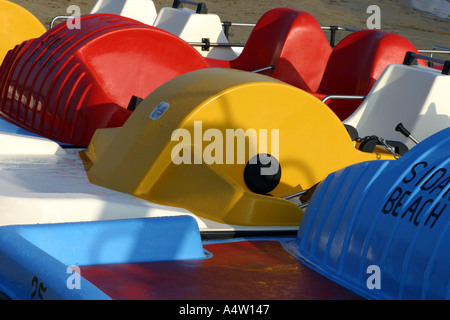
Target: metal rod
400, 128
413, 139
52, 23
294, 195
342, 97
303, 206
218, 44
264, 69
339, 28
435, 51
238, 24
410, 56
442, 47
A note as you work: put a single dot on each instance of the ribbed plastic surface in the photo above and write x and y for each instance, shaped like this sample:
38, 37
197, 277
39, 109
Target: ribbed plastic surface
381, 228
68, 83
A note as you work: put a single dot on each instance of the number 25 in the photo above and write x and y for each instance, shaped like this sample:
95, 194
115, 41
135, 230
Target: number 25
39, 288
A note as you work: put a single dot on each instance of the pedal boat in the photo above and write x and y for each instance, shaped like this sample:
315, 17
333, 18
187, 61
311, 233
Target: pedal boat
381, 229
373, 230
132, 171
424, 110
144, 259
80, 80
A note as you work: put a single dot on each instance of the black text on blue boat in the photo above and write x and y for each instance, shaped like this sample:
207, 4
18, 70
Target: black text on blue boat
426, 202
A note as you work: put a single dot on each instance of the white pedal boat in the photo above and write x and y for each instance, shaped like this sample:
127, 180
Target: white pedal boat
415, 96
44, 183
203, 30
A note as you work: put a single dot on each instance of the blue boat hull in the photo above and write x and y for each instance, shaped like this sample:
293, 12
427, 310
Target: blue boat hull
382, 228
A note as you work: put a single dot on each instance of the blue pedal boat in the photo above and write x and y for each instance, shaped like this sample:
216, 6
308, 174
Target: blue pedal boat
161, 258
386, 220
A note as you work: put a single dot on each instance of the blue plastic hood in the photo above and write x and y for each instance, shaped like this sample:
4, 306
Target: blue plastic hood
382, 228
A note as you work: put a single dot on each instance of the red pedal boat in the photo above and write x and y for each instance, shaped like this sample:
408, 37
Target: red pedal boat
68, 83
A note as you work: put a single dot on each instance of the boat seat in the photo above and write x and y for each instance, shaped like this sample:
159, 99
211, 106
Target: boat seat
357, 62
290, 40
68, 83
388, 215
412, 95
193, 26
141, 10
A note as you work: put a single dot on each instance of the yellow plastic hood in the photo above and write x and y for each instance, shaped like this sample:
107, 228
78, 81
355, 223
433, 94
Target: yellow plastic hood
17, 26
183, 146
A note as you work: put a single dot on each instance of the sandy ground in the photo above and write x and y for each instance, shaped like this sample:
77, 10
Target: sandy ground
422, 29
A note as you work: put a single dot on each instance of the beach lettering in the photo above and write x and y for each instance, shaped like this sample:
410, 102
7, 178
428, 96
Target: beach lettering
428, 202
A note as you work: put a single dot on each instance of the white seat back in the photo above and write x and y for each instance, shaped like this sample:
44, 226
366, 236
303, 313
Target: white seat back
418, 97
193, 27
141, 10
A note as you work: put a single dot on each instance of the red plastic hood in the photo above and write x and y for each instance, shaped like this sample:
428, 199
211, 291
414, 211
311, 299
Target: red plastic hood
68, 83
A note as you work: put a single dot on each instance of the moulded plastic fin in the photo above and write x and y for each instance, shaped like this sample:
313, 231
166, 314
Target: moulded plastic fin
70, 82
46, 251
382, 228
181, 146
18, 25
